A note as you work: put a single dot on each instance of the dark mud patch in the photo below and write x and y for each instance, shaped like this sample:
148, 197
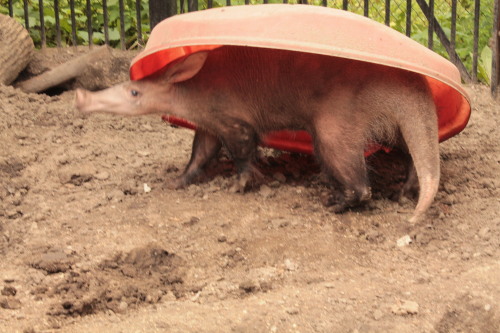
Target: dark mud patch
127, 280
470, 313
11, 168
53, 261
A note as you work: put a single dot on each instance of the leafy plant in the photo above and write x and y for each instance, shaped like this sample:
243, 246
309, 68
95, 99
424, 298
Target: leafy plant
81, 29
484, 67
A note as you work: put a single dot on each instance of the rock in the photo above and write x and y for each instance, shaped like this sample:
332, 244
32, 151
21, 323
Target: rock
122, 307
115, 195
103, 175
169, 297
377, 314
280, 177
53, 262
78, 123
466, 255
13, 214
74, 177
290, 265
407, 308
8, 277
131, 187
83, 267
280, 222
9, 291
147, 128
449, 200
374, 236
155, 297
265, 191
449, 188
192, 221
274, 184
10, 303
329, 285
248, 286
423, 238
171, 168
265, 286
403, 241
484, 233
196, 297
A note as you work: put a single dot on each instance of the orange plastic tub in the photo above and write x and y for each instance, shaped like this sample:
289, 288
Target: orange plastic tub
311, 29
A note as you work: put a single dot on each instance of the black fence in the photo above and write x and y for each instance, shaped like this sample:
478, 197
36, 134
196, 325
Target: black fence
464, 31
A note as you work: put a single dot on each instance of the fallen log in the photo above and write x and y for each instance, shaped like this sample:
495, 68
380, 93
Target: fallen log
16, 49
64, 72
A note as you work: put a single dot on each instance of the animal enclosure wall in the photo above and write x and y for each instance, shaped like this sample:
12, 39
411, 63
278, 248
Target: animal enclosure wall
459, 30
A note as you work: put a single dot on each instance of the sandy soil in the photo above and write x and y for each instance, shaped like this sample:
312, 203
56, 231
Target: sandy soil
92, 241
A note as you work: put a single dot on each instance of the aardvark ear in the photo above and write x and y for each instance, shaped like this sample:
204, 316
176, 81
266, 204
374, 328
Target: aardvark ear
186, 68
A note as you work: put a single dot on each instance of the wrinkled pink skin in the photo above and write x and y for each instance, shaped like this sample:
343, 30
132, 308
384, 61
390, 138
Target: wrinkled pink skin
236, 94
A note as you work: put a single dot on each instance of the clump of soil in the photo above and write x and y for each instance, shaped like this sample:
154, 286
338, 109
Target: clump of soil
144, 275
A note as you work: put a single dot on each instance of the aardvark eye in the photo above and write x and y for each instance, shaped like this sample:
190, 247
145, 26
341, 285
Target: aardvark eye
134, 93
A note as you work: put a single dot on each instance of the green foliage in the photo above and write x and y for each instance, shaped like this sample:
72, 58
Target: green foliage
97, 19
484, 68
376, 11
442, 11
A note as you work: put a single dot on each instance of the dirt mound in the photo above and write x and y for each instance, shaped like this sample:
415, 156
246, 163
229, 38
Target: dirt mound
144, 275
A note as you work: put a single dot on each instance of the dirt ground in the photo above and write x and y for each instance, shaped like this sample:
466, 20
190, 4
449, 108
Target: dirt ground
92, 241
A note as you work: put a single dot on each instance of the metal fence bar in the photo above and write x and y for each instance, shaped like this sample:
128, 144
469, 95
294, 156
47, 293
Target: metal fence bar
106, 21
408, 18
366, 8
430, 40
26, 16
345, 4
388, 12
88, 12
11, 10
453, 32
58, 23
192, 5
475, 50
73, 22
122, 24
42, 24
160, 9
139, 23
444, 39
